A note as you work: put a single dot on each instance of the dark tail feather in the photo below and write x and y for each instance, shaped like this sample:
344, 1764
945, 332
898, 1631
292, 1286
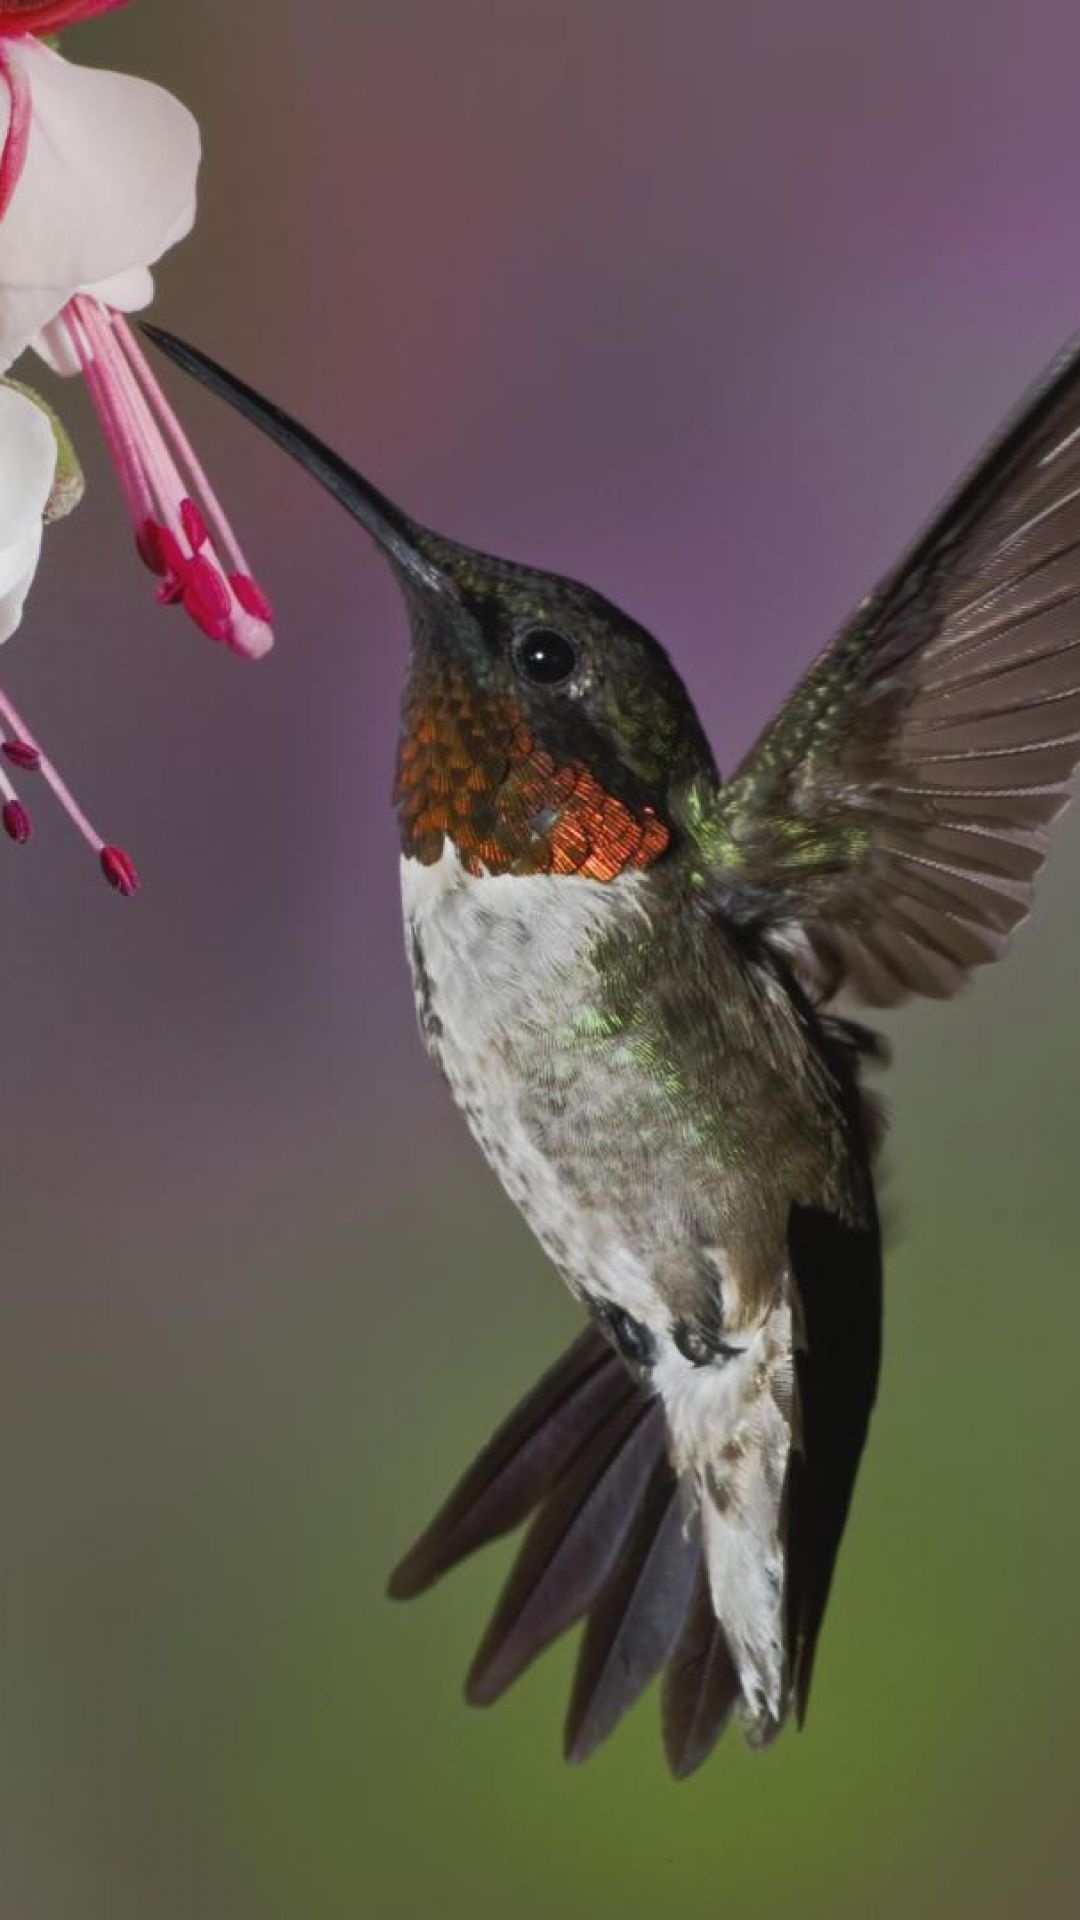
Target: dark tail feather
587, 1453
637, 1621
838, 1273
575, 1398
700, 1688
571, 1548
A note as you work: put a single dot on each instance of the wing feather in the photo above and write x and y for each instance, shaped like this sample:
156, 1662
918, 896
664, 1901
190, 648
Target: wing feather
892, 818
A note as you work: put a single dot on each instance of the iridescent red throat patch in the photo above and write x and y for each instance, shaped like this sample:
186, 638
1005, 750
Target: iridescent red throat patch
471, 771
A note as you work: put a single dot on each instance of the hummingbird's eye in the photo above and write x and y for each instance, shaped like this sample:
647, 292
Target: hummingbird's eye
545, 656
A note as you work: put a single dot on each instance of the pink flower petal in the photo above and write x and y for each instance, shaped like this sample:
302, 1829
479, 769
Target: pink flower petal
48, 16
17, 138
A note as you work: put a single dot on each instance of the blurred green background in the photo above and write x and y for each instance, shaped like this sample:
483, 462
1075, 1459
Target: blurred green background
708, 304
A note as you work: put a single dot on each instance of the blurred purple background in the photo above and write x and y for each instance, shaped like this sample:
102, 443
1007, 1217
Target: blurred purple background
707, 305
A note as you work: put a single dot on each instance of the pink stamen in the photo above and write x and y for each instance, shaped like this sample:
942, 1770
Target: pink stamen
17, 140
150, 482
22, 750
117, 431
180, 527
184, 450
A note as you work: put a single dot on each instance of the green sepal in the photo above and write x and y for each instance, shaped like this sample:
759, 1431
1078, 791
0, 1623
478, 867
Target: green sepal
69, 482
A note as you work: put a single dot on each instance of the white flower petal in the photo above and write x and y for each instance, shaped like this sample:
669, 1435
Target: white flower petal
108, 186
125, 292
27, 468
18, 565
23, 311
54, 347
27, 463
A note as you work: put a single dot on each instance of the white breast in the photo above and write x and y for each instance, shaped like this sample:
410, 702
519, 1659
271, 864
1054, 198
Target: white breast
492, 945
501, 967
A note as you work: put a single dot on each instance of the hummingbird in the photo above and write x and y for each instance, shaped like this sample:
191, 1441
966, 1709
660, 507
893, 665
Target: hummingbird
627, 969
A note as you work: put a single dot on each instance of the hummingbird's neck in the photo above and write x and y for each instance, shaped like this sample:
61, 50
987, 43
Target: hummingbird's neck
470, 770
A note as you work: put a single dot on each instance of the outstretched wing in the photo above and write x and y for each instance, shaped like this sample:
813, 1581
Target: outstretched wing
892, 817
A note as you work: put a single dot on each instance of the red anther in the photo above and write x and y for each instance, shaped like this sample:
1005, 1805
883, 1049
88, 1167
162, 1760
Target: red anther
194, 525
16, 822
251, 597
205, 618
206, 598
173, 558
148, 546
119, 870
22, 755
207, 581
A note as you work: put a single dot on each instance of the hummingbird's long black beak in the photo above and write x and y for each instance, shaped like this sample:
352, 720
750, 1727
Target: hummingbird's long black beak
393, 531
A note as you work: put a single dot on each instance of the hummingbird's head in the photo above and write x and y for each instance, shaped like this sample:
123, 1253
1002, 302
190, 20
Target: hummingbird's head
544, 731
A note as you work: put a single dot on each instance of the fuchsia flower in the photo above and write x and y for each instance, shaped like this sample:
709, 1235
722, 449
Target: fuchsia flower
97, 181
